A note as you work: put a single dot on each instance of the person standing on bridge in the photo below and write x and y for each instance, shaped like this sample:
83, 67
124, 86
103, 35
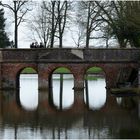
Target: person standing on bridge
32, 45
36, 45
41, 45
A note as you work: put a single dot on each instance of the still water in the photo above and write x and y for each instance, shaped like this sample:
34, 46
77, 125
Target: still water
30, 115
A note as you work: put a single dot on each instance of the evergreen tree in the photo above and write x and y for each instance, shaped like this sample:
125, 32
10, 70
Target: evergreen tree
4, 40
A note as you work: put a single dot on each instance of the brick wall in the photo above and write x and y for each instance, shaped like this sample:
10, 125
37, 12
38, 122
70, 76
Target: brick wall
45, 61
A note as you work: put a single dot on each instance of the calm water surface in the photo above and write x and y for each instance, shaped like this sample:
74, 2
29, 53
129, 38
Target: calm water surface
27, 113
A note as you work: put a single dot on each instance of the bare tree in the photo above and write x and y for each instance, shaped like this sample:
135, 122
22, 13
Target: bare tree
88, 14
50, 22
53, 23
39, 24
19, 9
58, 19
76, 27
50, 8
78, 36
61, 18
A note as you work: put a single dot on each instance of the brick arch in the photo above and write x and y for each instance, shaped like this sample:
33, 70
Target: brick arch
50, 81
46, 70
11, 73
53, 68
26, 66
98, 66
19, 70
110, 72
102, 66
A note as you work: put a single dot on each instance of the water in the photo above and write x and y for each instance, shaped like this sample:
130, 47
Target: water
107, 117
96, 93
68, 92
29, 97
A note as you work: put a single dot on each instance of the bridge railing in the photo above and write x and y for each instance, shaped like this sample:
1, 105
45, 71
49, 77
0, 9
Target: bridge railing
69, 54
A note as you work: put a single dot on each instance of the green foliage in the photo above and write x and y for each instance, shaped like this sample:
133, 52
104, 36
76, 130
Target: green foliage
94, 70
62, 70
122, 20
4, 41
89, 77
131, 22
28, 71
65, 70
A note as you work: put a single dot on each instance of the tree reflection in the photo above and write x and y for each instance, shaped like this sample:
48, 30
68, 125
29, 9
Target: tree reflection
86, 90
113, 121
63, 94
95, 92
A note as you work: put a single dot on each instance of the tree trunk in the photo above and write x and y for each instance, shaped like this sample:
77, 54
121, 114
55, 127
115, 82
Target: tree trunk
16, 26
60, 41
86, 90
61, 92
87, 40
121, 42
88, 31
59, 26
51, 102
53, 24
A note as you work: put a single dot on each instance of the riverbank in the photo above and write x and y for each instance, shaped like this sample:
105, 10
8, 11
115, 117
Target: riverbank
125, 91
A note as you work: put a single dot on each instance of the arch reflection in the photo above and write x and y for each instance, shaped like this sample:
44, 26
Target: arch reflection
28, 92
62, 88
95, 91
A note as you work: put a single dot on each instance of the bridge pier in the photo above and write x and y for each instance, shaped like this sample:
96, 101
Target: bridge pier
43, 84
78, 83
112, 71
43, 77
8, 76
139, 77
79, 93
79, 104
45, 103
0, 75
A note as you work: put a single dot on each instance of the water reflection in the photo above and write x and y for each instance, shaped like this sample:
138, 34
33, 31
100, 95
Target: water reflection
29, 91
110, 122
95, 92
63, 93
119, 100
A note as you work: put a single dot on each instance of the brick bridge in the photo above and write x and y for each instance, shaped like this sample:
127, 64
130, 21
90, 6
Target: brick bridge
119, 65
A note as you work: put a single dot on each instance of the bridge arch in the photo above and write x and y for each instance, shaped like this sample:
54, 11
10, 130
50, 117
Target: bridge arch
94, 87
21, 69
61, 83
27, 93
97, 68
60, 69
